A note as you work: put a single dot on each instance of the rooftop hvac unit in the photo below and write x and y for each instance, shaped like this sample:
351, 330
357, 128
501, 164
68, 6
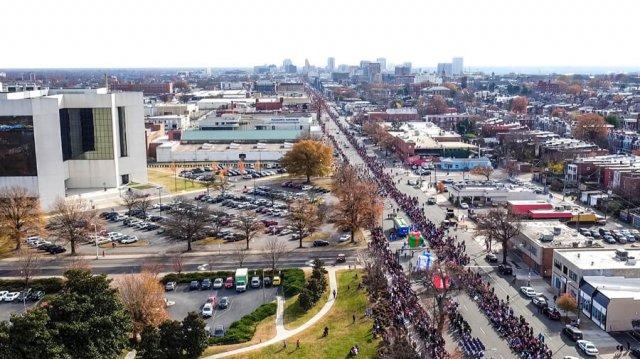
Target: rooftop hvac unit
631, 262
546, 237
557, 231
622, 254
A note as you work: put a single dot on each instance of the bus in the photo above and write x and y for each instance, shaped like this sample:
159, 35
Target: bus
400, 226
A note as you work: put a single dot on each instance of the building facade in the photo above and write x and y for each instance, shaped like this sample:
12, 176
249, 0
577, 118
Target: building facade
71, 139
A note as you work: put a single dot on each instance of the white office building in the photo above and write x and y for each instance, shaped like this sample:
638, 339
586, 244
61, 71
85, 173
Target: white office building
52, 141
456, 66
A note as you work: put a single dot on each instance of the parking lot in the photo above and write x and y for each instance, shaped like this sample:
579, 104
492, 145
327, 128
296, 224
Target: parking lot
8, 308
268, 203
240, 304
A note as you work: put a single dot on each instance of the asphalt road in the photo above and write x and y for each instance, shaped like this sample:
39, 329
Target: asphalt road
224, 261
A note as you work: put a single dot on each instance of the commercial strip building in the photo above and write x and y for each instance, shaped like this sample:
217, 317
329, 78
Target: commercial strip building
537, 241
221, 152
56, 140
612, 303
427, 139
488, 192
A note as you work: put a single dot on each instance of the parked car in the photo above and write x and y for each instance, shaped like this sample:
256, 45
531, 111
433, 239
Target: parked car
464, 205
218, 283
551, 313
431, 200
11, 296
228, 283
276, 280
223, 303
207, 310
205, 284
587, 347
320, 243
194, 285
491, 258
266, 281
218, 331
529, 292
505, 269
539, 301
572, 332
24, 295
344, 238
255, 282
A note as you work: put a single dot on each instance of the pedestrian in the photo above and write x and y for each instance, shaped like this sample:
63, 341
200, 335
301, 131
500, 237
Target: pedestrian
354, 318
334, 294
325, 332
298, 343
284, 344
103, 253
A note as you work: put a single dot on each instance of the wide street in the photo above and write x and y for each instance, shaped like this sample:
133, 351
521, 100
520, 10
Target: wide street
496, 346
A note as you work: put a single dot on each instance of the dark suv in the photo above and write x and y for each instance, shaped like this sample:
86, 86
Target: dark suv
572, 332
505, 269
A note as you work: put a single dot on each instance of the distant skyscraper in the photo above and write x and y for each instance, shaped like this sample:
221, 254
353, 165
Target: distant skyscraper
456, 66
331, 64
383, 63
444, 69
286, 62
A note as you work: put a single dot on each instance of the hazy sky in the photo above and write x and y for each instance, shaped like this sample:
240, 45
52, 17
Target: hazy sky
144, 33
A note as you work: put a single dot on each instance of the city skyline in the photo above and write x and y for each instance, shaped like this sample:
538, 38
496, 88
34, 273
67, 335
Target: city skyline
496, 34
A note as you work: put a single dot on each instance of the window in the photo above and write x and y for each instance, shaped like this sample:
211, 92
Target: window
122, 132
557, 264
17, 146
564, 269
86, 133
573, 276
125, 179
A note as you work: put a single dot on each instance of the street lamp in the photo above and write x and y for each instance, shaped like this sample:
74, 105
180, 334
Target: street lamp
159, 194
95, 236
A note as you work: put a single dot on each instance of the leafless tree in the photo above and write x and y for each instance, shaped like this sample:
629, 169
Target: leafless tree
274, 250
133, 201
177, 263
72, 221
240, 254
303, 217
20, 214
187, 223
501, 226
28, 264
439, 295
249, 225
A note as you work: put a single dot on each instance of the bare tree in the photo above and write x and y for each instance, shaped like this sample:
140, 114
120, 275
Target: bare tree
177, 263
28, 264
133, 201
501, 226
274, 250
240, 254
143, 297
249, 225
20, 214
448, 274
187, 223
72, 221
303, 217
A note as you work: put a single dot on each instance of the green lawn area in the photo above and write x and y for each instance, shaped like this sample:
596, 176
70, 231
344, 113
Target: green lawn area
294, 316
165, 178
343, 333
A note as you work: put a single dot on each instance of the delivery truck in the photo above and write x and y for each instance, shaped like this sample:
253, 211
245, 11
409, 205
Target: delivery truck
242, 276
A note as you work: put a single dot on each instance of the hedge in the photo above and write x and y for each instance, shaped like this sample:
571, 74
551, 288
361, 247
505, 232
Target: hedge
243, 330
293, 281
187, 277
48, 285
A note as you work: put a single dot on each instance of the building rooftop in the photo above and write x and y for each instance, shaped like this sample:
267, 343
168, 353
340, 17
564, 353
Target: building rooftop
615, 287
222, 147
600, 258
244, 135
551, 234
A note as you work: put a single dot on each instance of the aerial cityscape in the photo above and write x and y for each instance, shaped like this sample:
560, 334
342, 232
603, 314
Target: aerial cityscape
303, 179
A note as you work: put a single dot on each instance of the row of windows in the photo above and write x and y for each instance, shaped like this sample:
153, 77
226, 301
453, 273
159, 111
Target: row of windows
87, 133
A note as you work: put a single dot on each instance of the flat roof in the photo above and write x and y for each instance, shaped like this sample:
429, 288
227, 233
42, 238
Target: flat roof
240, 135
600, 258
535, 229
615, 287
222, 147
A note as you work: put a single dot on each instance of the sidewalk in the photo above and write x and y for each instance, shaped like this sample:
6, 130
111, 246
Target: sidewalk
281, 332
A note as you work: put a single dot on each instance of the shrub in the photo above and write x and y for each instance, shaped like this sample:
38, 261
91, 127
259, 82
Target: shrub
48, 285
243, 330
293, 281
187, 277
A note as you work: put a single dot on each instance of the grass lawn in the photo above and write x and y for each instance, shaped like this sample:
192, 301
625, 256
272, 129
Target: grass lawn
265, 330
164, 178
294, 316
343, 333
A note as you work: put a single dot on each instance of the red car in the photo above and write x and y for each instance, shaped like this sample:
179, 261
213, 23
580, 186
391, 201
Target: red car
228, 283
551, 313
269, 223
